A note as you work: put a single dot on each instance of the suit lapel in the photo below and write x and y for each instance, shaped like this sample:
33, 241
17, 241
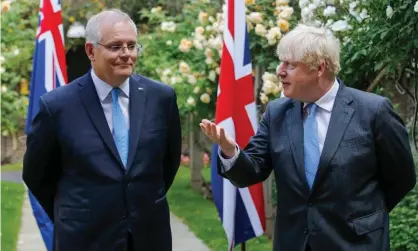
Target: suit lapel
91, 102
340, 118
294, 124
137, 98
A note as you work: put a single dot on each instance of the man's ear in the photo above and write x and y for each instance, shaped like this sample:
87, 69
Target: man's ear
89, 47
322, 68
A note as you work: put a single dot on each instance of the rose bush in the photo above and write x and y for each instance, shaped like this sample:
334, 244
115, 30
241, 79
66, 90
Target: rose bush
185, 50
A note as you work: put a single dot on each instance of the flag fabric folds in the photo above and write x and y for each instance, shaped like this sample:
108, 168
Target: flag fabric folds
241, 210
49, 72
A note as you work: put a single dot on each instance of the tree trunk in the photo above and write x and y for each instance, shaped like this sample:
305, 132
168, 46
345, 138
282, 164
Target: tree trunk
196, 163
268, 204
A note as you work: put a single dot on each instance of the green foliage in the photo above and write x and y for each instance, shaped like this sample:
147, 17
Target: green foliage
11, 211
381, 34
17, 46
404, 221
185, 70
201, 215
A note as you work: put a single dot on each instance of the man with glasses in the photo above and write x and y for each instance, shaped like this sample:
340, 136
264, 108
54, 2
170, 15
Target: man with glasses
104, 150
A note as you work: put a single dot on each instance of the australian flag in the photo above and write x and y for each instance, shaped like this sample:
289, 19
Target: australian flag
49, 72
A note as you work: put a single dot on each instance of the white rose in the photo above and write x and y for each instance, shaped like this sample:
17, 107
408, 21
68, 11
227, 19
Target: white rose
165, 79
173, 80
312, 6
218, 70
199, 30
179, 79
212, 76
205, 98
267, 76
168, 26
256, 17
263, 98
169, 42
340, 25
286, 13
329, 11
166, 72
303, 3
203, 17
196, 90
184, 67
389, 12
209, 60
3, 88
268, 87
260, 30
273, 35
282, 2
191, 101
185, 45
363, 14
416, 6
191, 79
208, 53
198, 44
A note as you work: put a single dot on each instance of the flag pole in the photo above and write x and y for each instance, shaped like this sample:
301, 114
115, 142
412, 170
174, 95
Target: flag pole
243, 246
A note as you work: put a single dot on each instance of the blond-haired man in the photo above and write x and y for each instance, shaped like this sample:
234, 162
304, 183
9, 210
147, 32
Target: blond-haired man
341, 157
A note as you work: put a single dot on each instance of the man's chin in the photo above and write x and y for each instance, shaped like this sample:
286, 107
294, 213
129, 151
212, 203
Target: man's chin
124, 72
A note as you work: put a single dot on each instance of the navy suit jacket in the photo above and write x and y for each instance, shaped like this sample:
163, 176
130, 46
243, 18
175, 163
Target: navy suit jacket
73, 168
365, 169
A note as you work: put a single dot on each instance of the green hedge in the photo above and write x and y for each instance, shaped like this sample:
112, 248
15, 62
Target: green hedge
404, 221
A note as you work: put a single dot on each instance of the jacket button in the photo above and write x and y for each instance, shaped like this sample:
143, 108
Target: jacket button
128, 184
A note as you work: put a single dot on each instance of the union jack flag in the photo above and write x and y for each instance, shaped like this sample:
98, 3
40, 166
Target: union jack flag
49, 72
241, 210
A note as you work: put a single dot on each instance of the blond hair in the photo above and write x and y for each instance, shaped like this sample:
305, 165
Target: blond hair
310, 45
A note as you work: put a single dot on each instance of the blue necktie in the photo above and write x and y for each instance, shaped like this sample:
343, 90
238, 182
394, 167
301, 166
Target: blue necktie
120, 127
311, 144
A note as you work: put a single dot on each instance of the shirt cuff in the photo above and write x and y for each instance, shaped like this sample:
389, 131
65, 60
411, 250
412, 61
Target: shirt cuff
228, 163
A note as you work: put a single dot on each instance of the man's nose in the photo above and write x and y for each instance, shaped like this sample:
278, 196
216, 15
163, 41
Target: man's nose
280, 72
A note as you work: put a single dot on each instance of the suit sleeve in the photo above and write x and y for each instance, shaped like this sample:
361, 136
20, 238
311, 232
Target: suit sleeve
41, 162
396, 166
173, 151
253, 164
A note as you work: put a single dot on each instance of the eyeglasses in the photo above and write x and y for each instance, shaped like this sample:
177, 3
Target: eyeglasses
132, 48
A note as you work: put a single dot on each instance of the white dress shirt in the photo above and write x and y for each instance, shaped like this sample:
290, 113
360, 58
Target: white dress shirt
104, 92
322, 116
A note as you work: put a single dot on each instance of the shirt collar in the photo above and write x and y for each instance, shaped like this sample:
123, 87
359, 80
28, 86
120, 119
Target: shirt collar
103, 89
326, 102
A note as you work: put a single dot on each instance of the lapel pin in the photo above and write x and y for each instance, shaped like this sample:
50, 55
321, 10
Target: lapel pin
140, 89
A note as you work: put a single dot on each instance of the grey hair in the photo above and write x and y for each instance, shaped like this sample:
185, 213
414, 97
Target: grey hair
311, 45
94, 23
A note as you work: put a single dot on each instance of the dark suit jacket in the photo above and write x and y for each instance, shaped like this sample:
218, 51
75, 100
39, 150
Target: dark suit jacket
365, 169
73, 168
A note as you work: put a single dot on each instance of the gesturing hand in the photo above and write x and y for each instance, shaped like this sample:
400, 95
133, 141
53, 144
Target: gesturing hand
218, 136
